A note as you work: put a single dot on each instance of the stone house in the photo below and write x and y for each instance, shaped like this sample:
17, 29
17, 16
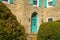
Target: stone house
32, 13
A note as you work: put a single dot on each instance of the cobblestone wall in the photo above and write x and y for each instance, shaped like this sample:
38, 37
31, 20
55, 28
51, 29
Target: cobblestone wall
23, 11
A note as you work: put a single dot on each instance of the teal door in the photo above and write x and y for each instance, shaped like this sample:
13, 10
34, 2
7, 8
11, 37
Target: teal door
34, 23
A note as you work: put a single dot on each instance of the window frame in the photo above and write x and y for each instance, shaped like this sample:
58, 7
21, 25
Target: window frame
48, 3
37, 4
6, 1
49, 18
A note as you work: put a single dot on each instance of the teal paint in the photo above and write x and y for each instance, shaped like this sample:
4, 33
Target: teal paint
34, 24
40, 3
54, 2
45, 3
31, 2
11, 1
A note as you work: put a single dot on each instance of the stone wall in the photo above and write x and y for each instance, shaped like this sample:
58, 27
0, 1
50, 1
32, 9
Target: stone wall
17, 9
52, 12
23, 11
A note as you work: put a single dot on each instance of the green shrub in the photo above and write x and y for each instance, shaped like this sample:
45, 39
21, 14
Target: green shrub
10, 29
49, 31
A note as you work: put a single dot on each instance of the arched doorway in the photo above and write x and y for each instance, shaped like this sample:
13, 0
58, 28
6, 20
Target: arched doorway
34, 22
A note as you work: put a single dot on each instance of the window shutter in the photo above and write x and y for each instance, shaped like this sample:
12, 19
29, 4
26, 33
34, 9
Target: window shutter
45, 3
11, 1
40, 3
0, 0
31, 2
54, 2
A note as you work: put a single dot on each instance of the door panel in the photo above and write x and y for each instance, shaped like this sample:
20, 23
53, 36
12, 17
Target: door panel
34, 23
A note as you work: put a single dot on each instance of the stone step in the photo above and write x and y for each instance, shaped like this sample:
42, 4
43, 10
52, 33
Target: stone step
31, 37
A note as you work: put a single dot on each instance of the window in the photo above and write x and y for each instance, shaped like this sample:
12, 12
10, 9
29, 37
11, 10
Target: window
5, 0
50, 20
49, 3
34, 2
